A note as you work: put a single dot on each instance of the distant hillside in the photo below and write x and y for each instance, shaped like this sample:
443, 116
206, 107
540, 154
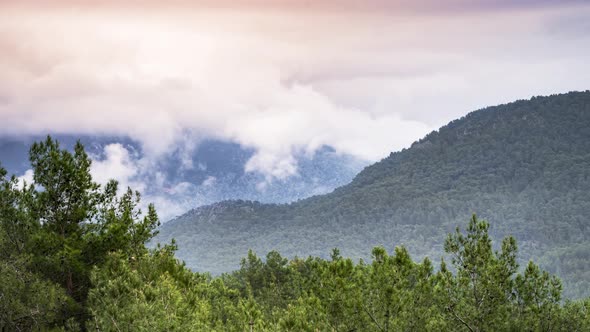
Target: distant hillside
524, 166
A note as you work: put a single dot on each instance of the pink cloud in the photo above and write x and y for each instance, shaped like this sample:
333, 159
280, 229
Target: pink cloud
365, 83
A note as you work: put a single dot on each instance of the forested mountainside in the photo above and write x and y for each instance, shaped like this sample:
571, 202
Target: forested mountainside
524, 166
73, 258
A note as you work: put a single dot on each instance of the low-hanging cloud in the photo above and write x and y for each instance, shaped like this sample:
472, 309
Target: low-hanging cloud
117, 164
281, 83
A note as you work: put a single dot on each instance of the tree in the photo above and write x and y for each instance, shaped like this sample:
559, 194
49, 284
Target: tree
152, 292
73, 256
62, 225
27, 301
478, 297
538, 299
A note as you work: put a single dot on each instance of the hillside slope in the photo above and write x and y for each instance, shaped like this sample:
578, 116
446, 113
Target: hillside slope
524, 166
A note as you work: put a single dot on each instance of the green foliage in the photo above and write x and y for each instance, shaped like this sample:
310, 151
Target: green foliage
482, 291
479, 294
73, 257
27, 302
54, 231
152, 292
538, 297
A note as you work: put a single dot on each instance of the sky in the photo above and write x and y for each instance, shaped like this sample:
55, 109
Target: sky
282, 77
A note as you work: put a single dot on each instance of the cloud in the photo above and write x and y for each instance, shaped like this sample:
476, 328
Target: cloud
280, 82
138, 173
117, 164
209, 181
26, 178
298, 5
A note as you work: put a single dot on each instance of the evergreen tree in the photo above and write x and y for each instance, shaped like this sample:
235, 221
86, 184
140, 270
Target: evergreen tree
73, 257
478, 297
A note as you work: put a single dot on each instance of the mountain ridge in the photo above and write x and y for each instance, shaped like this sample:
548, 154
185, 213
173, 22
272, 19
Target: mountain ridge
522, 165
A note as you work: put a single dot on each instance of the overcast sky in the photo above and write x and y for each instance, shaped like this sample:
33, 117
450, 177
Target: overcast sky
365, 77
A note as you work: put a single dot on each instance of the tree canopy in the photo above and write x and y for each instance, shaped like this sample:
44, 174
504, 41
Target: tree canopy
74, 258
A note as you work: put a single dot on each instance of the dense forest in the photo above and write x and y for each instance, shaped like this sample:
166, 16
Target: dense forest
73, 257
524, 165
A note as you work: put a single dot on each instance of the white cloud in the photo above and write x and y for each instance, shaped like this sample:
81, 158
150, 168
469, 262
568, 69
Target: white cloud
168, 207
117, 164
141, 174
364, 83
209, 181
181, 188
25, 178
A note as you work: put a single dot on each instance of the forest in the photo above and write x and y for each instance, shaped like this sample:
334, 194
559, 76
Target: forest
524, 166
73, 257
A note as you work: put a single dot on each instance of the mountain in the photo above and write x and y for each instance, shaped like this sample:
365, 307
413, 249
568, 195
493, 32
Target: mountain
186, 178
524, 166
